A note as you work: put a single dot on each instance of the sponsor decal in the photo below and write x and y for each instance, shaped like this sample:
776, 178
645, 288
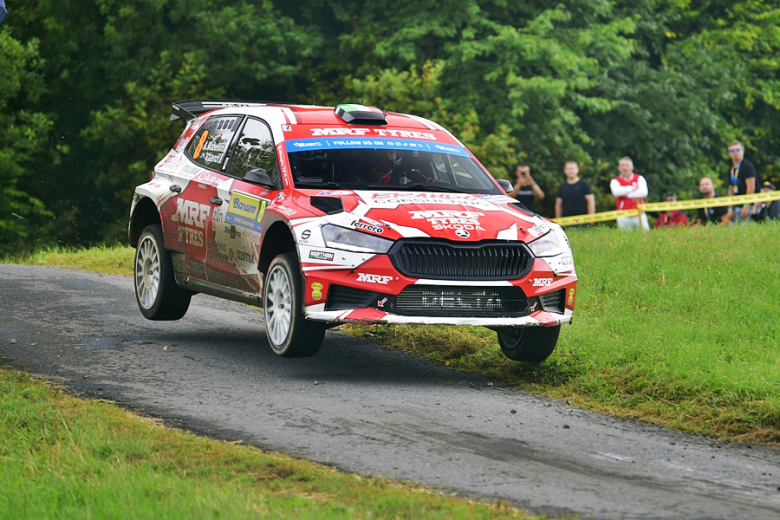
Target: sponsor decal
542, 282
567, 260
532, 308
217, 246
381, 303
316, 291
462, 233
395, 198
378, 229
370, 141
284, 210
280, 198
286, 128
306, 235
361, 132
188, 170
571, 297
216, 259
196, 268
191, 236
281, 154
207, 177
373, 278
232, 231
246, 211
539, 229
321, 255
164, 176
450, 219
333, 193
240, 256
190, 213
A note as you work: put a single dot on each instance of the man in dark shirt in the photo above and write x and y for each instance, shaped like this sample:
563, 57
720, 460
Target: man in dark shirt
767, 210
574, 196
525, 189
717, 215
742, 181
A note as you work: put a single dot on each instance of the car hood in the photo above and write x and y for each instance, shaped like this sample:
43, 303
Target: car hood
450, 216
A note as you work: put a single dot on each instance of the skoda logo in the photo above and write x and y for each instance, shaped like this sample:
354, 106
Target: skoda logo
462, 233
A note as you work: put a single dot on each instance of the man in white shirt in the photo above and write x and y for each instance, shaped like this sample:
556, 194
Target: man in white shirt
630, 189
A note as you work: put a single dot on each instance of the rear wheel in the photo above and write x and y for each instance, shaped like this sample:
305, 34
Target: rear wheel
288, 332
532, 344
156, 292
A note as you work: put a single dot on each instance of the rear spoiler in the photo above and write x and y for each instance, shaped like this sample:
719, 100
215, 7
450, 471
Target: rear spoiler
189, 110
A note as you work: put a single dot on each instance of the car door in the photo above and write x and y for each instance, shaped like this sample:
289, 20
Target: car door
191, 211
238, 225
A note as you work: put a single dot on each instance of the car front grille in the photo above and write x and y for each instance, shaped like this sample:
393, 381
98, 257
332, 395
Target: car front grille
441, 260
448, 301
553, 301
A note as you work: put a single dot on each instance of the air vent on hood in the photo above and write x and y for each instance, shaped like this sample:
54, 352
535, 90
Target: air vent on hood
329, 205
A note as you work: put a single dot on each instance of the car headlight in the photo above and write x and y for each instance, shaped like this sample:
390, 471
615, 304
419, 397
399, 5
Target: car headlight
351, 240
547, 245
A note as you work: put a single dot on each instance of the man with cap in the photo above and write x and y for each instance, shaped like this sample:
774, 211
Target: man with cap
671, 218
767, 210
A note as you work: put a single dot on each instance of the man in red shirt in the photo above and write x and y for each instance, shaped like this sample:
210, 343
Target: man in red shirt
629, 189
671, 218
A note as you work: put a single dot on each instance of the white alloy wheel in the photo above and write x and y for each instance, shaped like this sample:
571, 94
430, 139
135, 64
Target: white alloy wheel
147, 272
278, 311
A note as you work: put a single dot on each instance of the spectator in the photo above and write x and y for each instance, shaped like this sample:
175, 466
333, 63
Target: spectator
671, 218
630, 189
574, 196
525, 189
717, 215
742, 181
767, 210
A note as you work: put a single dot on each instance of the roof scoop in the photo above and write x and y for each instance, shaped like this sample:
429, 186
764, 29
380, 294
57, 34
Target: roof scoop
361, 115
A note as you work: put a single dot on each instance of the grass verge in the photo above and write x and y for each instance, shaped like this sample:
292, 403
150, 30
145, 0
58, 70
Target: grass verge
677, 327
102, 259
62, 457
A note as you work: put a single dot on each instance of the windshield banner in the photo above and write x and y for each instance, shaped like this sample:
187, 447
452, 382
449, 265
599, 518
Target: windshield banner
301, 145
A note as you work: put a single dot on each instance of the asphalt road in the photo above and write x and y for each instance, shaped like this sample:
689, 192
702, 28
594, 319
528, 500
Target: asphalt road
369, 409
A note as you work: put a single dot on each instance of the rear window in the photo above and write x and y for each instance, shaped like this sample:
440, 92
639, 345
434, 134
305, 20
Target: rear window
210, 144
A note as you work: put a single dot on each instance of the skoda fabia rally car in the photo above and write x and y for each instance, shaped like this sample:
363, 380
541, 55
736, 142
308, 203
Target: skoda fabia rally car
324, 216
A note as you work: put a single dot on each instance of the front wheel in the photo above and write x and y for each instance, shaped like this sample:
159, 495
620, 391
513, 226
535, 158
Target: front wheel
156, 292
288, 332
533, 344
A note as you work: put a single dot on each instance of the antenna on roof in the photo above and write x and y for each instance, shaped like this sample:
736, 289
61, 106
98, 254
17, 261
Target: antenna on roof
312, 100
361, 101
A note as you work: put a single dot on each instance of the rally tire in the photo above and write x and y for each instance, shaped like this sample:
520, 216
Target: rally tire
287, 330
158, 296
531, 344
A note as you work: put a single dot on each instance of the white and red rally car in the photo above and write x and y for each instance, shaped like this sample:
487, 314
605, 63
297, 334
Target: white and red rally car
325, 216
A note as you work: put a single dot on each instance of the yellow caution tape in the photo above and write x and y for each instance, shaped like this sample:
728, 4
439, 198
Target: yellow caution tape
736, 200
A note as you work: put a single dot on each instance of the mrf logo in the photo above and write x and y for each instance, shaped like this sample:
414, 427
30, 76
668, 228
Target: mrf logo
542, 282
373, 278
191, 213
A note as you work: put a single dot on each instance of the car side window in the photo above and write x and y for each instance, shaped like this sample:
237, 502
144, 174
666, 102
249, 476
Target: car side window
254, 151
210, 144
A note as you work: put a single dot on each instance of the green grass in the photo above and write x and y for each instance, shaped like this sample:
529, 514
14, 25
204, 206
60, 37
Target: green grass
678, 327
62, 457
103, 259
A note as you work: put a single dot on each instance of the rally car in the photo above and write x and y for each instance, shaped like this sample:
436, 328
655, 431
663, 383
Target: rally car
323, 216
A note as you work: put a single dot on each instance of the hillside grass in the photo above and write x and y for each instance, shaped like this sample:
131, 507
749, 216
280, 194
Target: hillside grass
64, 458
678, 327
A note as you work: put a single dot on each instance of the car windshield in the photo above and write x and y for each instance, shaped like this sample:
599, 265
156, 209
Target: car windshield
391, 169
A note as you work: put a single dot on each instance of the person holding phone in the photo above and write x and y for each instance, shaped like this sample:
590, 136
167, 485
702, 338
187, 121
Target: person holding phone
525, 189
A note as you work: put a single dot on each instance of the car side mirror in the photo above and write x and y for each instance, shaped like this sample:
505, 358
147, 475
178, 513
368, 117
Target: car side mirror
505, 185
261, 177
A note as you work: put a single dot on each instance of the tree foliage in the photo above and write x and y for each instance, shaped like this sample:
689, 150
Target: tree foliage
85, 102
